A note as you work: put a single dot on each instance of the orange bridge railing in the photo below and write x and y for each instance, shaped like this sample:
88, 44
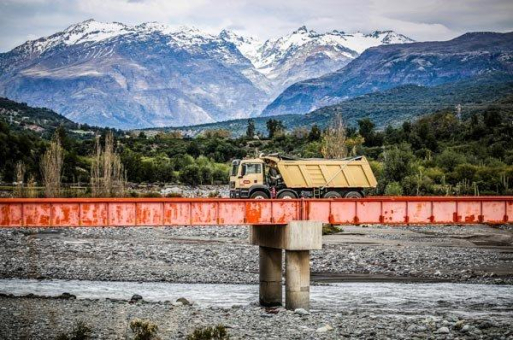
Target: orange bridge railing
111, 212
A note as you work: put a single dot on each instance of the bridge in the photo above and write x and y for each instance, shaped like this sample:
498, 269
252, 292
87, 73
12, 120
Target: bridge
292, 225
113, 212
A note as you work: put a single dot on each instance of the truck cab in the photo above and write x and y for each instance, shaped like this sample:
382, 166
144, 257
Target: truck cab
246, 177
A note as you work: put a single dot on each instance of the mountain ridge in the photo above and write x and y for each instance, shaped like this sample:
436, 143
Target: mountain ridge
111, 74
386, 66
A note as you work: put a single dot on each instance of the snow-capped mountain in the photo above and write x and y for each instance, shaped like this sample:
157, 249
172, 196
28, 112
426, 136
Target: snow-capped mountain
388, 66
111, 74
306, 54
133, 76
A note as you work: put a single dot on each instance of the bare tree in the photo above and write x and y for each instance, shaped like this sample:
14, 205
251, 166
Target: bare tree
51, 168
334, 139
31, 190
107, 174
20, 178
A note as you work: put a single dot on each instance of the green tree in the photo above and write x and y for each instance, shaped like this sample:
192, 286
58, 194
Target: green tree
250, 131
397, 165
206, 174
190, 175
366, 129
315, 134
449, 159
274, 127
194, 149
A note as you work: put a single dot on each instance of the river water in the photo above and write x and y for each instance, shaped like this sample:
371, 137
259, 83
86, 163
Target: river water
375, 297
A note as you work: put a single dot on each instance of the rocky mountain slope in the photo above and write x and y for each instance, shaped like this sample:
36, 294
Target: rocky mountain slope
390, 107
111, 74
126, 77
384, 67
306, 54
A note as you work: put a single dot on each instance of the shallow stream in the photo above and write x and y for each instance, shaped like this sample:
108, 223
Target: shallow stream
374, 297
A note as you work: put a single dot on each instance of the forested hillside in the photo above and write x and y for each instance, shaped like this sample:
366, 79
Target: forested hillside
441, 153
392, 107
42, 121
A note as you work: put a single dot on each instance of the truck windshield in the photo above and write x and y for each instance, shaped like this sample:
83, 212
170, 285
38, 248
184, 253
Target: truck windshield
252, 168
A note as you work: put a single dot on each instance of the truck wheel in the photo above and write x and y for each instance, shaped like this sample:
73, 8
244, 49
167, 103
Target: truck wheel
332, 194
259, 195
287, 195
353, 194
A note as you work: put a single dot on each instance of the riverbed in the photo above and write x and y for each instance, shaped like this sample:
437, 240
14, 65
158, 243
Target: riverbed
440, 282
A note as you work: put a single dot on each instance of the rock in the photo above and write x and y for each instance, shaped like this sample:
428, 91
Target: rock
416, 328
136, 297
184, 301
324, 329
486, 324
443, 330
67, 296
301, 311
459, 324
465, 329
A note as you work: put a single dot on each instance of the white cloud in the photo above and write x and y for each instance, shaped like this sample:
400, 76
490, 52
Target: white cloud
421, 20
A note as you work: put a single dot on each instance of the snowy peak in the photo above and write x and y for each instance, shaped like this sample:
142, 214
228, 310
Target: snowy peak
360, 41
305, 53
247, 45
352, 44
92, 31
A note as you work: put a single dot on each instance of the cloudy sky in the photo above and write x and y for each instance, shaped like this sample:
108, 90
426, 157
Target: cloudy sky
421, 20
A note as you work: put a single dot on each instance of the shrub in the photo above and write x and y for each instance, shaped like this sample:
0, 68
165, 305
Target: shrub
80, 332
449, 159
206, 174
144, 330
393, 189
214, 194
191, 175
209, 333
329, 229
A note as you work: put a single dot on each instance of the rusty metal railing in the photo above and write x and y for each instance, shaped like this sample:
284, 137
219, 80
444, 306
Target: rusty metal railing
112, 212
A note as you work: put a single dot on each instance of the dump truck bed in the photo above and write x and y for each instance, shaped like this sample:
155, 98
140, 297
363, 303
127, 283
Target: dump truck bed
330, 173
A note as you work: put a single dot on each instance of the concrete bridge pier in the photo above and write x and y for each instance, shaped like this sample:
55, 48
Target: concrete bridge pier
297, 279
297, 239
270, 277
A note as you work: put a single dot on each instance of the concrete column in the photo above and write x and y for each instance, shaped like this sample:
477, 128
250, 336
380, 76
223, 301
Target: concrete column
297, 279
297, 239
270, 277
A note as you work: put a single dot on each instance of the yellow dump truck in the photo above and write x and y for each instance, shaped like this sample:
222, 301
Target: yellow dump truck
275, 176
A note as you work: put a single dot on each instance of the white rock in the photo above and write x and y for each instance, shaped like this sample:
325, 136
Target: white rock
301, 311
324, 329
443, 330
